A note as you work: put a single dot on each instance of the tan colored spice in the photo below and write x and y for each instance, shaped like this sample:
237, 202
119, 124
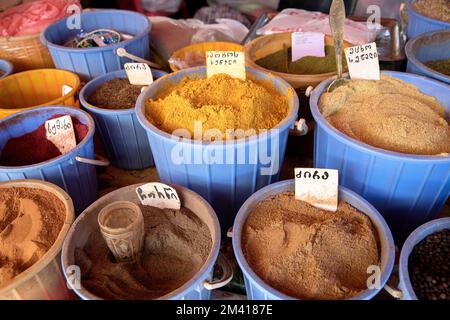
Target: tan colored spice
309, 253
30, 221
177, 244
436, 9
220, 102
388, 114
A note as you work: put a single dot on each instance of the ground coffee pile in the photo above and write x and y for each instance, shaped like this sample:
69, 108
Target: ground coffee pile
429, 267
389, 114
309, 253
441, 66
177, 244
30, 221
34, 147
220, 102
117, 93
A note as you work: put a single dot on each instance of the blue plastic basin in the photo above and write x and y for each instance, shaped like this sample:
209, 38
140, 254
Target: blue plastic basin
92, 62
123, 137
407, 189
418, 23
228, 184
428, 47
78, 179
257, 289
418, 235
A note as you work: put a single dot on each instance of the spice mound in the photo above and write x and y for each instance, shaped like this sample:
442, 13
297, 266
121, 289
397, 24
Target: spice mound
221, 103
429, 267
436, 9
309, 253
388, 114
441, 66
33, 147
177, 244
117, 93
30, 221
281, 61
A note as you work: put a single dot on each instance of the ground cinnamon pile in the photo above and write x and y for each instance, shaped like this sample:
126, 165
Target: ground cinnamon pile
177, 244
309, 253
33, 147
30, 221
219, 102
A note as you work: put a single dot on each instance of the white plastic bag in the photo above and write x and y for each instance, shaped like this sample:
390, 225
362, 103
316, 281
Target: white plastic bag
297, 20
161, 5
169, 35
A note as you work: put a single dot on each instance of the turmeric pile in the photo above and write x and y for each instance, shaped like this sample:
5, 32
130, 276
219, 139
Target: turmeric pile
221, 103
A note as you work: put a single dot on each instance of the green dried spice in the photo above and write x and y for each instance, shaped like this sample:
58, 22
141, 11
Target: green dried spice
441, 66
306, 65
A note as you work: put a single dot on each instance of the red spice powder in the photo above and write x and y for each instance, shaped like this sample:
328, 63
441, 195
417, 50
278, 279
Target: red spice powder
33, 147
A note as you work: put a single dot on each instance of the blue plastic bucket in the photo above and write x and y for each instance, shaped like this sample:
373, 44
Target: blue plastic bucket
123, 137
71, 171
197, 288
6, 68
418, 23
92, 62
418, 235
226, 185
408, 190
257, 289
428, 47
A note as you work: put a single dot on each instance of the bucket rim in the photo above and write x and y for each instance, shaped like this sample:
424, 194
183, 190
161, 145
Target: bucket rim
149, 127
413, 239
409, 51
361, 146
414, 12
375, 217
61, 158
197, 279
56, 101
143, 33
96, 82
7, 67
56, 247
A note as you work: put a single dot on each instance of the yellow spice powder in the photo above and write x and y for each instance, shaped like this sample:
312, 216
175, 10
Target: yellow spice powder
220, 102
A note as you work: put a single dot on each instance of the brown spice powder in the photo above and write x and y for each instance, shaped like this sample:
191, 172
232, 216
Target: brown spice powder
117, 93
309, 253
220, 102
177, 244
30, 221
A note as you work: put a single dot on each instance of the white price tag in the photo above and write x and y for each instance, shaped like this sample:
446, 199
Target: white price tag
139, 73
307, 44
60, 132
158, 195
363, 62
66, 89
318, 187
228, 62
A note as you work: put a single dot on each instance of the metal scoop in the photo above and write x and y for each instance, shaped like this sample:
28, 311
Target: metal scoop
337, 19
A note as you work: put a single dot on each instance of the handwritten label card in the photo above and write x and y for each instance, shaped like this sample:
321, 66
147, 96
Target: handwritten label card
60, 132
363, 62
318, 187
139, 74
228, 62
307, 44
158, 195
